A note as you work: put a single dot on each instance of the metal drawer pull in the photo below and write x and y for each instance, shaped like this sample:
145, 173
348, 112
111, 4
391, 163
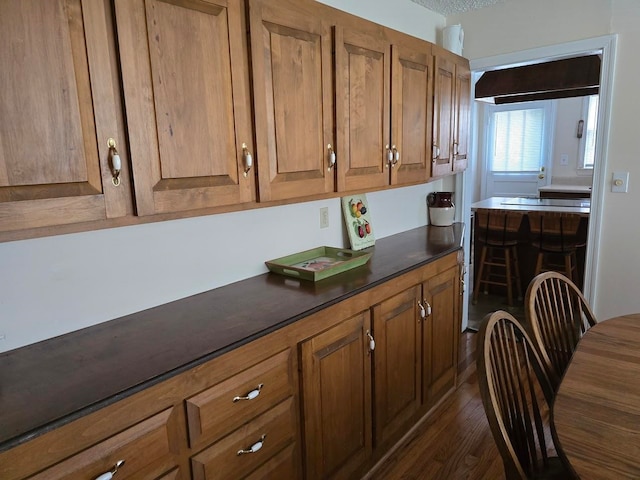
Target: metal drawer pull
251, 395
109, 475
255, 447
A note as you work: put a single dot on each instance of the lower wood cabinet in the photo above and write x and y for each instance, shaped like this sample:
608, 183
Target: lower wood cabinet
397, 362
440, 334
336, 391
322, 398
369, 378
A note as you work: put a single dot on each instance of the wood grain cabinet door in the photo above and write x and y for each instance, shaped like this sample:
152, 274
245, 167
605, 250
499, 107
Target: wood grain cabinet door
293, 97
412, 107
397, 368
440, 335
186, 86
58, 106
336, 375
462, 117
363, 63
443, 114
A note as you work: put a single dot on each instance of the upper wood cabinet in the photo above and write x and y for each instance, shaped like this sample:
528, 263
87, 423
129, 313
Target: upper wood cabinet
59, 105
451, 113
412, 107
383, 108
363, 83
291, 50
461, 130
186, 89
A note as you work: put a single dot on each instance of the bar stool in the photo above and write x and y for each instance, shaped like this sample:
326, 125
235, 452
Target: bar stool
497, 232
556, 236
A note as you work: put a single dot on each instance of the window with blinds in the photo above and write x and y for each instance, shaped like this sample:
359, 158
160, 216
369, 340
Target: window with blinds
517, 137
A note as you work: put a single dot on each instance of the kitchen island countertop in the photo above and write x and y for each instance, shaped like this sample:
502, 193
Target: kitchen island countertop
534, 204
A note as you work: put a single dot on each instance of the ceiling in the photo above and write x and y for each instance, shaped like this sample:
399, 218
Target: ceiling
449, 7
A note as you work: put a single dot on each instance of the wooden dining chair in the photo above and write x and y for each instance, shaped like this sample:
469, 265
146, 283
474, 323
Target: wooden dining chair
557, 314
517, 394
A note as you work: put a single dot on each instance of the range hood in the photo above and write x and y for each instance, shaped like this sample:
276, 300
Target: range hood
571, 77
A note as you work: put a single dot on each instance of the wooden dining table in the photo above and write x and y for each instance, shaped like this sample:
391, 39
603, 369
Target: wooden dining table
597, 408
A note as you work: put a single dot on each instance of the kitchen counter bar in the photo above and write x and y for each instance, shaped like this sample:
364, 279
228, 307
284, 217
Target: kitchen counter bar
527, 204
50, 383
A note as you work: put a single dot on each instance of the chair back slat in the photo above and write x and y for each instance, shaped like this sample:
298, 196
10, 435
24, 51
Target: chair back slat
557, 315
517, 394
498, 227
556, 231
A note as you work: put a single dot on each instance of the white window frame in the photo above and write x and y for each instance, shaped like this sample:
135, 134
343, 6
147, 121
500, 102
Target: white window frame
582, 144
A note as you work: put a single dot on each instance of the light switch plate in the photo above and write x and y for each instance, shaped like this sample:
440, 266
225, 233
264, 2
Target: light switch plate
620, 182
564, 159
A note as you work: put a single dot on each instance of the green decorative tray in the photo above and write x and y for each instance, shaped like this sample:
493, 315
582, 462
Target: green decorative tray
318, 263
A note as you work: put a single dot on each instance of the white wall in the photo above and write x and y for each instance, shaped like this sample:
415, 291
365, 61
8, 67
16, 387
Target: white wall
566, 142
520, 25
50, 286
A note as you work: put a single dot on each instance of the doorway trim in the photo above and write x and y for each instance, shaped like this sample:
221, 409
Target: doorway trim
606, 46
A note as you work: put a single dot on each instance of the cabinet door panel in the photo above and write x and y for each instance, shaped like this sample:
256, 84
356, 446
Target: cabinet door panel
336, 375
462, 118
412, 98
397, 362
293, 95
187, 102
362, 106
444, 85
53, 140
440, 332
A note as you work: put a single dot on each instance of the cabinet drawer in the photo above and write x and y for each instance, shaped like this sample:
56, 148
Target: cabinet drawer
145, 447
275, 429
213, 412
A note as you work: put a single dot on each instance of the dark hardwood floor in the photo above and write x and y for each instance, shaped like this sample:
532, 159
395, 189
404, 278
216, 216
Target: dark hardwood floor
454, 442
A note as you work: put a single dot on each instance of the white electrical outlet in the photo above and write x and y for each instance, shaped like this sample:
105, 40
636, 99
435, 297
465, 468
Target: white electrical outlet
324, 217
564, 159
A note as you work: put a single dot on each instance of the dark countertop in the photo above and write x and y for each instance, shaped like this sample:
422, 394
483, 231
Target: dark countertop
50, 383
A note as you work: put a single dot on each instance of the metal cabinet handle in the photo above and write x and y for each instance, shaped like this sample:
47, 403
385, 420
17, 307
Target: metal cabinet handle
427, 308
395, 157
372, 342
332, 157
437, 151
423, 311
248, 159
389, 156
455, 148
253, 448
109, 475
115, 163
251, 395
